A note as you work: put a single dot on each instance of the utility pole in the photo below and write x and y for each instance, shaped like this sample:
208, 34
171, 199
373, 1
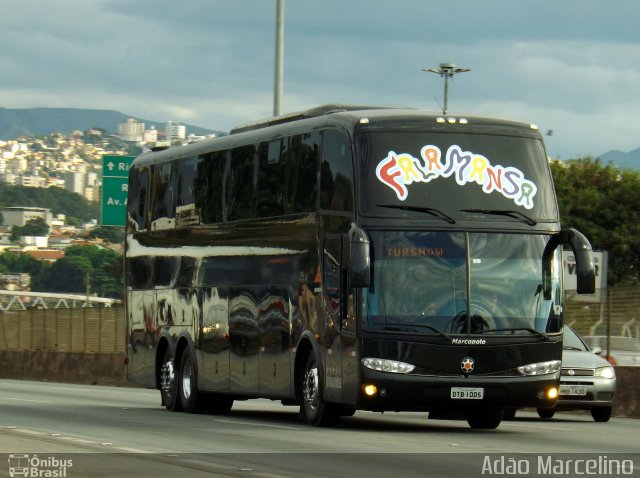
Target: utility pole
277, 93
446, 70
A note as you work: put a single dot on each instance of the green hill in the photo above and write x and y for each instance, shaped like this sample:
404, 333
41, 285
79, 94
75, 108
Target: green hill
60, 201
43, 121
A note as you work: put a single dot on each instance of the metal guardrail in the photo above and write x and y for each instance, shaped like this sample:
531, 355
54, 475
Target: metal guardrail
22, 300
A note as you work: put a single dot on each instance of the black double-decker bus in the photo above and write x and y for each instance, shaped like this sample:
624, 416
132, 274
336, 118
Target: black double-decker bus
347, 258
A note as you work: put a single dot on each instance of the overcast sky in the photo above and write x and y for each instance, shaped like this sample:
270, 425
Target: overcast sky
571, 66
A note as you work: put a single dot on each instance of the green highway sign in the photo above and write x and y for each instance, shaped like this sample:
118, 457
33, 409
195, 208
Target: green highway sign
115, 177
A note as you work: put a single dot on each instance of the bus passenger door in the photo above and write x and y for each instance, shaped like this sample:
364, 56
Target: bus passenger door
332, 280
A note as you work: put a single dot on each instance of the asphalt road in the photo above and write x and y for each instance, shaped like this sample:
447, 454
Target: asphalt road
77, 430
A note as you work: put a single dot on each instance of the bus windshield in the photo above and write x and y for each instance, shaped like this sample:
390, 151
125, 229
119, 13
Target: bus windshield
461, 283
454, 175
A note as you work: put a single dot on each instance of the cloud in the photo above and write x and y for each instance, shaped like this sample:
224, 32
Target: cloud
566, 65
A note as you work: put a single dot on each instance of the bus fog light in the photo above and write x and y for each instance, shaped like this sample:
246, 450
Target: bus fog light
370, 390
540, 368
391, 366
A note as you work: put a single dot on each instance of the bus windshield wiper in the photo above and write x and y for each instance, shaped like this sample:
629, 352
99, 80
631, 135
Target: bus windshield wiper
517, 329
505, 212
412, 327
428, 210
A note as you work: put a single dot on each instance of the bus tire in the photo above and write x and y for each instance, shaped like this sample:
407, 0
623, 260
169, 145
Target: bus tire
190, 399
316, 411
484, 419
219, 404
169, 381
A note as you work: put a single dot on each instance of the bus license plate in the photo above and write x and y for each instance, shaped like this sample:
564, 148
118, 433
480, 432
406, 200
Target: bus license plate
467, 393
573, 390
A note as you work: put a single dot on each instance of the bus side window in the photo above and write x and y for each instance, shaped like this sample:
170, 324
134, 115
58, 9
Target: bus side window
186, 272
241, 184
336, 172
209, 187
186, 173
163, 193
271, 177
137, 203
302, 172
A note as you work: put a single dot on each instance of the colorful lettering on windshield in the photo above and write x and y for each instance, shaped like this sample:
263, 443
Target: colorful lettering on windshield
398, 171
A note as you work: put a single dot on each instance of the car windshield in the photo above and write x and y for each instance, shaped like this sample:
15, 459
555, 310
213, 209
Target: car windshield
421, 283
571, 340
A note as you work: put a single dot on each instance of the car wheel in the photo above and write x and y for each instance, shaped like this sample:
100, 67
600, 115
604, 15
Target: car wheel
546, 412
601, 414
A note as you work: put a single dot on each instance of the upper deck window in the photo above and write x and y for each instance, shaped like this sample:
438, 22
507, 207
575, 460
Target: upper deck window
455, 173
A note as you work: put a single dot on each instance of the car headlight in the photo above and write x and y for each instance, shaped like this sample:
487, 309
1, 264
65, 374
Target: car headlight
606, 372
383, 365
540, 368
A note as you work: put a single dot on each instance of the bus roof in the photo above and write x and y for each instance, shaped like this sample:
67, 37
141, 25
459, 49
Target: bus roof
347, 116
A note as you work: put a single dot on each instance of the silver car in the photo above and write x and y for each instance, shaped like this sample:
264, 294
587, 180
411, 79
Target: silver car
625, 351
587, 380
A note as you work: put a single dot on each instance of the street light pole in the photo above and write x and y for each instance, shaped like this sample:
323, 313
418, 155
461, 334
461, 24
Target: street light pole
446, 70
277, 93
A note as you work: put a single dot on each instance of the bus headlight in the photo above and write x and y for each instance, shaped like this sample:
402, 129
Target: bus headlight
383, 365
540, 368
605, 372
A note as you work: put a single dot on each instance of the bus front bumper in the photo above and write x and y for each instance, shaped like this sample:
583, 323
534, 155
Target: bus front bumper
398, 392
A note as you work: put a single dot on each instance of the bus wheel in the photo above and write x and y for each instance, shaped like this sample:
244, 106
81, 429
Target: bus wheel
190, 398
316, 411
484, 419
546, 412
168, 382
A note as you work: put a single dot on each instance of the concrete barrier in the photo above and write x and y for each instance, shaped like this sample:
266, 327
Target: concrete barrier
66, 367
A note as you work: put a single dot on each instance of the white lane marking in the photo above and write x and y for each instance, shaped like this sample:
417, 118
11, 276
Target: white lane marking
240, 422
542, 427
24, 399
132, 450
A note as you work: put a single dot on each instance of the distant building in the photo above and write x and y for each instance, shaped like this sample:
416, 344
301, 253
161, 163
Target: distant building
131, 130
74, 182
174, 131
150, 135
19, 216
33, 181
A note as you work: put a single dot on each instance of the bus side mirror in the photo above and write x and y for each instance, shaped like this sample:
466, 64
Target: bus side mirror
585, 270
360, 258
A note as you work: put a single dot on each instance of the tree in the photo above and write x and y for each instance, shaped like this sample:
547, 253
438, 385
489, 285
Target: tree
35, 227
603, 202
69, 274
106, 269
111, 234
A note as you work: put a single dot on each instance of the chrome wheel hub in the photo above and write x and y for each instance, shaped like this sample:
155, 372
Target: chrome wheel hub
310, 389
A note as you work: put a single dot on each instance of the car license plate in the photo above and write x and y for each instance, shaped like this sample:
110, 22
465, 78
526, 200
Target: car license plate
467, 393
573, 390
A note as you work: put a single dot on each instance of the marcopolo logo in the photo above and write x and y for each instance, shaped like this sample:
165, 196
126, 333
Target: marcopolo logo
468, 341
37, 467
